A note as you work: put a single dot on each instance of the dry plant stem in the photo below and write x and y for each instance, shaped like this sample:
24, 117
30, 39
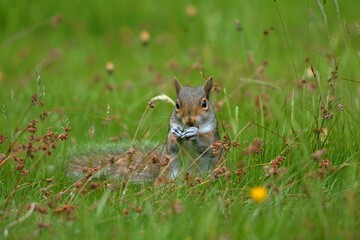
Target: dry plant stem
243, 129
287, 41
324, 16
28, 31
128, 179
292, 140
317, 84
349, 80
142, 137
73, 195
123, 192
22, 132
23, 218
275, 133
138, 127
195, 160
7, 159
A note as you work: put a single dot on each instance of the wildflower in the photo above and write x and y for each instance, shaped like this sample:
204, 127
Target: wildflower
144, 37
258, 194
191, 11
110, 67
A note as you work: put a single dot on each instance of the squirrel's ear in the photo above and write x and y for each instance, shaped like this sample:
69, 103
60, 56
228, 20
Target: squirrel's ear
178, 86
208, 86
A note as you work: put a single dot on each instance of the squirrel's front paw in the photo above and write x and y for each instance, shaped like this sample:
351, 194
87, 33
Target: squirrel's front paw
190, 133
177, 131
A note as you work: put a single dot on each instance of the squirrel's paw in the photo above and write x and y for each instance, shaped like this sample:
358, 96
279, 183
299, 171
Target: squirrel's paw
190, 133
177, 131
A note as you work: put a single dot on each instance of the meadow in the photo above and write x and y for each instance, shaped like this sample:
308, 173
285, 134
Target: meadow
287, 98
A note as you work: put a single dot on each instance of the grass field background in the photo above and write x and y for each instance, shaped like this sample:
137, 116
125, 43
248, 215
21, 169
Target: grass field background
287, 75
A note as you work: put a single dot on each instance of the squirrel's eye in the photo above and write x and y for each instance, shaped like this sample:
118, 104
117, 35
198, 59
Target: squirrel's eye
177, 105
204, 104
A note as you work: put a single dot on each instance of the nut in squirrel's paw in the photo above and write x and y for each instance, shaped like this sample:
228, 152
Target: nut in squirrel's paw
177, 131
190, 133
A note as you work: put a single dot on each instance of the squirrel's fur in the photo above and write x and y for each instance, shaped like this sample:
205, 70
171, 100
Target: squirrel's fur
192, 132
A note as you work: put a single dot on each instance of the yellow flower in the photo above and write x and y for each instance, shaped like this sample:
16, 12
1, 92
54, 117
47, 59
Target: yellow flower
258, 194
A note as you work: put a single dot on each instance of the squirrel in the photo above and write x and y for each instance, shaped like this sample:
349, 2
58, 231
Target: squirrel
189, 145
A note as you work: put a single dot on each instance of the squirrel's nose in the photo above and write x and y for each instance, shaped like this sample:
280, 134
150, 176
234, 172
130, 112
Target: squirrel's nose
189, 121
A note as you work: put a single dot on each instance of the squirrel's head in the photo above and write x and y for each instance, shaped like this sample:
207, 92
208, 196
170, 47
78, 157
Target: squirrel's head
193, 105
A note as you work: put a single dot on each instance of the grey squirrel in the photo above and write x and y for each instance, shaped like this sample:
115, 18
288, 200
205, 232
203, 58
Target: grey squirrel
189, 145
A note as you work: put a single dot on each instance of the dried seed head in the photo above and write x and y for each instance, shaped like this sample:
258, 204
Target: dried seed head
126, 212
198, 180
256, 147
63, 136
340, 106
178, 207
43, 115
155, 159
166, 161
2, 138
130, 152
112, 160
56, 20
325, 163
317, 155
94, 185
34, 99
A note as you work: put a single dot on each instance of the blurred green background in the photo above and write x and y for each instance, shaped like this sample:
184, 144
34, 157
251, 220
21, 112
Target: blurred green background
69, 43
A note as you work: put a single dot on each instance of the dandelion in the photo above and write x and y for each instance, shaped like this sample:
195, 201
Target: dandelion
258, 194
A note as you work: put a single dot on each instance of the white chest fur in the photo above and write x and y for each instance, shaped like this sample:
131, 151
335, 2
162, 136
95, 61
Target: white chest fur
206, 127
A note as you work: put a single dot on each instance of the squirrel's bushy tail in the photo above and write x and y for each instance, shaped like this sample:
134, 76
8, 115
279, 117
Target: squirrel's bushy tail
141, 163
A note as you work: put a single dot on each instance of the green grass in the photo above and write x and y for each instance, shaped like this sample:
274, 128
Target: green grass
258, 101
